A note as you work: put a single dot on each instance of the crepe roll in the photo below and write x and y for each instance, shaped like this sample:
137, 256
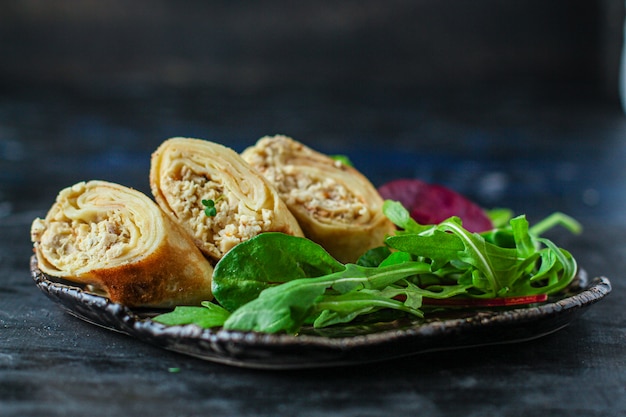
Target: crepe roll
118, 242
186, 174
335, 204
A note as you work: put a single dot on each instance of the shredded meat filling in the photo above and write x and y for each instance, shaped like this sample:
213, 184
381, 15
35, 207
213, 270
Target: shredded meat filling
73, 243
228, 227
323, 198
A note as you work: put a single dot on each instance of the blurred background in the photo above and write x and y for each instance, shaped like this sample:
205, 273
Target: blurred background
454, 92
421, 45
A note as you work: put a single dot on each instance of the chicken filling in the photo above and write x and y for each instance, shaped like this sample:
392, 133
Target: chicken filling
232, 222
74, 244
325, 199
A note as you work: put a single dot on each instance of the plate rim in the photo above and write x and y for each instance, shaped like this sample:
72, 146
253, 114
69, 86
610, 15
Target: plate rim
229, 347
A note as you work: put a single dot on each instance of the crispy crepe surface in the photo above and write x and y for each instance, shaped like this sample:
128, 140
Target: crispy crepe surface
185, 172
336, 205
119, 242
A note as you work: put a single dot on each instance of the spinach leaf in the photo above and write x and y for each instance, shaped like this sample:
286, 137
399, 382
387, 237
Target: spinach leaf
266, 260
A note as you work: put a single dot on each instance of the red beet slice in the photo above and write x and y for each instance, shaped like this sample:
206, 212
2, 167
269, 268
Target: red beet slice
432, 203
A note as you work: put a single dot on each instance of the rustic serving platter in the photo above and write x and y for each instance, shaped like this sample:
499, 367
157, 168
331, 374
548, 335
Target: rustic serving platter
339, 345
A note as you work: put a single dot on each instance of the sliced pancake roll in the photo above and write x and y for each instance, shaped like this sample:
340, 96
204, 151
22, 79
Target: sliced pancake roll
336, 205
118, 242
215, 195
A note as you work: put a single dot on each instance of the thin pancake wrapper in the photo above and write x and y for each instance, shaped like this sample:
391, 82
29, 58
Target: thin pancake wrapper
185, 172
119, 242
336, 205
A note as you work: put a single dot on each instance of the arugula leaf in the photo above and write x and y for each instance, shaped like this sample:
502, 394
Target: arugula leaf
556, 219
396, 258
523, 240
344, 308
401, 217
286, 307
207, 316
494, 263
508, 261
499, 217
438, 246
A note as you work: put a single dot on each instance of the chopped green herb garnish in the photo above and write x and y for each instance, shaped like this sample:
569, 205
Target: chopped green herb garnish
343, 159
209, 207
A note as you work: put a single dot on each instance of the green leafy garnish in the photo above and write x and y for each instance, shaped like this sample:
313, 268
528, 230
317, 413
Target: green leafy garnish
288, 306
499, 217
209, 315
344, 159
209, 208
278, 283
264, 261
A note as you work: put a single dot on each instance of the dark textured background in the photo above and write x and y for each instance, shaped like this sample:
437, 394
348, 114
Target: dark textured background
247, 46
419, 82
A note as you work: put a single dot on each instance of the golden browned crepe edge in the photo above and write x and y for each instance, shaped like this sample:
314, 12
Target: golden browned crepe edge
345, 241
175, 273
286, 223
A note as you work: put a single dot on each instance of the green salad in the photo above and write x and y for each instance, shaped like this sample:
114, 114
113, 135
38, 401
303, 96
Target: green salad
279, 283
